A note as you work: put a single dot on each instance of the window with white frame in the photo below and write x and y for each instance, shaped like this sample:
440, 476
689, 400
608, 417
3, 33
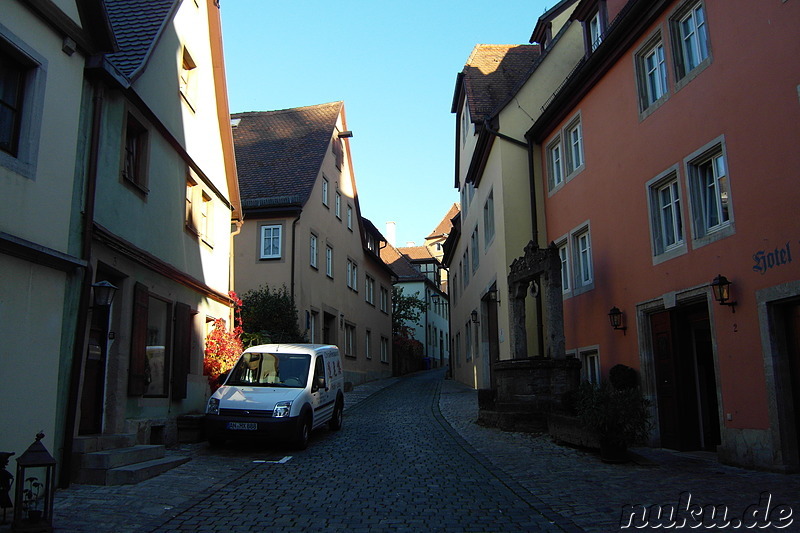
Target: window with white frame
595, 31
710, 192
583, 258
369, 290
312, 327
368, 344
574, 138
328, 261
313, 247
325, 192
352, 275
652, 73
458, 350
384, 350
271, 242
135, 154
555, 164
188, 79
350, 217
474, 245
337, 207
690, 38
590, 366
488, 220
465, 271
666, 214
384, 299
465, 123
349, 340
563, 255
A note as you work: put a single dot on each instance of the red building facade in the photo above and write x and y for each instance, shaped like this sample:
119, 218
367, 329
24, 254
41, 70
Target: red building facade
670, 157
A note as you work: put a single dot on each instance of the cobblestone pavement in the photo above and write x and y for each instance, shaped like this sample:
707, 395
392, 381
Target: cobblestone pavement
407, 462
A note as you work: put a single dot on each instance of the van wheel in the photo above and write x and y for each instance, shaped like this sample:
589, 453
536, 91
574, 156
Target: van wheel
303, 433
335, 422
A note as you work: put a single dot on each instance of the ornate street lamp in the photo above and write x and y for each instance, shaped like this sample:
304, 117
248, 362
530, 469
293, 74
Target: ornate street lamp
615, 317
721, 288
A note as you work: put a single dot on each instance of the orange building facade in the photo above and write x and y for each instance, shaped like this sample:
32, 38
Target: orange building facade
670, 157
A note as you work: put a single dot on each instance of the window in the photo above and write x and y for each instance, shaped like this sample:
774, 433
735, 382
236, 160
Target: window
338, 205
475, 255
191, 210
590, 366
328, 261
384, 350
458, 350
325, 192
563, 254
666, 215
488, 220
710, 194
349, 340
555, 168
574, 136
369, 290
652, 73
350, 218
384, 299
690, 39
149, 365
465, 123
134, 167
313, 244
583, 259
595, 31
465, 271
352, 275
188, 83
271, 242
12, 94
312, 327
368, 344
206, 225
338, 152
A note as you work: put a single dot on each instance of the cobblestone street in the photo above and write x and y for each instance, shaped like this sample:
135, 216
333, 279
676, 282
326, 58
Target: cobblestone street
411, 458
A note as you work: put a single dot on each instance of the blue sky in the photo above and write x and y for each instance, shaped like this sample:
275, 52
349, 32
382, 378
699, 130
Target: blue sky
394, 64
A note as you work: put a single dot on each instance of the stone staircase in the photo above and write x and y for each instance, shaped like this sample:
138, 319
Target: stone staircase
118, 460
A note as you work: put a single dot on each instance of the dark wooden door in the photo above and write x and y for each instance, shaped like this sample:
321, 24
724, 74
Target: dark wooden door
94, 371
666, 383
793, 352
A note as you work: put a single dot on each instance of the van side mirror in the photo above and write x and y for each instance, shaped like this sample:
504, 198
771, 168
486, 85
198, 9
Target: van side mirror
319, 383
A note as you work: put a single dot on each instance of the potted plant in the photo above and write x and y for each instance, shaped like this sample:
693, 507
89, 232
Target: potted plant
619, 415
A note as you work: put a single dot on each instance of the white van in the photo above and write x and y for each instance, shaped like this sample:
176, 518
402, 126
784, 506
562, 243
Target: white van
278, 390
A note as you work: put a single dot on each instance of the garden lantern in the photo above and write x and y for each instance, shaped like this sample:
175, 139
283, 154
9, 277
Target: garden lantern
35, 488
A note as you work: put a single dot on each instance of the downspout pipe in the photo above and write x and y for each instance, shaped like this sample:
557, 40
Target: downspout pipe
294, 249
86, 286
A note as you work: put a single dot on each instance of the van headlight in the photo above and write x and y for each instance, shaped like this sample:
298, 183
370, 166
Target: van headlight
282, 409
213, 406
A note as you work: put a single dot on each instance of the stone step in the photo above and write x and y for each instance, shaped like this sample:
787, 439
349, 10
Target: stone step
107, 459
129, 474
95, 443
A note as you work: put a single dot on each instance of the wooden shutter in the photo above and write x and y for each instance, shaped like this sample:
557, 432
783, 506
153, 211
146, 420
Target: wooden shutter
181, 350
137, 383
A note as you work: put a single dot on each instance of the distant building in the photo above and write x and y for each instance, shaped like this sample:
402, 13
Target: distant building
303, 230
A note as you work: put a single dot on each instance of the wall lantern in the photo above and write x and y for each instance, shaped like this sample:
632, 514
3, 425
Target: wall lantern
103, 293
35, 488
494, 295
474, 316
615, 317
721, 288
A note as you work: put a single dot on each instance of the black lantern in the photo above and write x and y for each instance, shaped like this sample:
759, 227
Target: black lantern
474, 316
35, 488
615, 317
721, 288
103, 293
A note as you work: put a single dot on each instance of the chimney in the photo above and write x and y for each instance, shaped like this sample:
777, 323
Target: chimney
391, 232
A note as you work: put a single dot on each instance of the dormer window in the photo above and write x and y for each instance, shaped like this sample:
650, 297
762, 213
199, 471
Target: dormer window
465, 123
594, 17
594, 32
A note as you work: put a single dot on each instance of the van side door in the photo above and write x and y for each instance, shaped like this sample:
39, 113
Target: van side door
321, 400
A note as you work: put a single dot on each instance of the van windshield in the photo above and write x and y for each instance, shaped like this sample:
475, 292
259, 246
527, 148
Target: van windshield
271, 370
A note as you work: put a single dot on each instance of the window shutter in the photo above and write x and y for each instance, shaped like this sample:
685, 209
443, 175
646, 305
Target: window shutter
137, 383
181, 350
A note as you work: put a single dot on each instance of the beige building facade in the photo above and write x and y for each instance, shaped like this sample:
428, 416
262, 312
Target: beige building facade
303, 231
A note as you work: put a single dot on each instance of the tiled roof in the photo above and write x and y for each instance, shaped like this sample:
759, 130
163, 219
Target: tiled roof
279, 153
400, 265
444, 227
417, 253
137, 26
492, 72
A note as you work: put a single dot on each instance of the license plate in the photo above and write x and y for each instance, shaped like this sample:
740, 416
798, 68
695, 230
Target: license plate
248, 426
